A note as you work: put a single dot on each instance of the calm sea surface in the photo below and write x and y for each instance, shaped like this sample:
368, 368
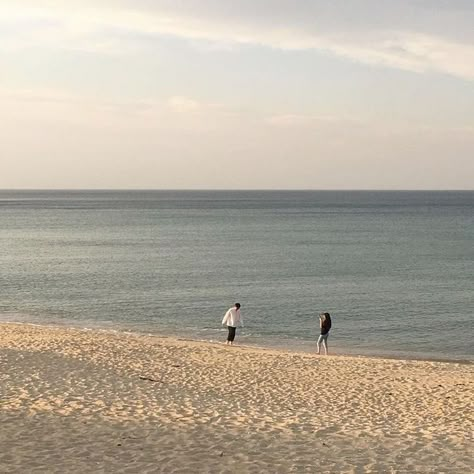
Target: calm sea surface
394, 269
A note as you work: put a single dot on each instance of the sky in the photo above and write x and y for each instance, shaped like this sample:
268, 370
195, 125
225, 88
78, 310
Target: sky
242, 94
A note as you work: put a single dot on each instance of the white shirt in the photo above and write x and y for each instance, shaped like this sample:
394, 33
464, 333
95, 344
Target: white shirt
233, 318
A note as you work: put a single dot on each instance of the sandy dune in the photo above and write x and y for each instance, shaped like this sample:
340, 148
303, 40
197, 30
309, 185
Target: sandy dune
91, 402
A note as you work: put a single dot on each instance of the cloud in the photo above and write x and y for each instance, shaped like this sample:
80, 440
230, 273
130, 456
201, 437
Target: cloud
183, 104
306, 121
414, 36
31, 107
51, 138
57, 97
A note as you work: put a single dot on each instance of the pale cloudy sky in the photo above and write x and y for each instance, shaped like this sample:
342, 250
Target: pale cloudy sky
320, 94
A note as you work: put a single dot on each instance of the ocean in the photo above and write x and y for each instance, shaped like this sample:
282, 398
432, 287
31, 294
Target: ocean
394, 269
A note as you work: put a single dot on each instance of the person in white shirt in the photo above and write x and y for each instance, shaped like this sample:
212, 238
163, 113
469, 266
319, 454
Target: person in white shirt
232, 319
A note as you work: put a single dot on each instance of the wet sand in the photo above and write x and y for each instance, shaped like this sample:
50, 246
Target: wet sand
96, 402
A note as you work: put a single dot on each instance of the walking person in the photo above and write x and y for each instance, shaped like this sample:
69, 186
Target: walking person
325, 325
232, 319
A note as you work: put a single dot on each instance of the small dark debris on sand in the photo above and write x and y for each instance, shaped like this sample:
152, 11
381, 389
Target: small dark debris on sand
150, 379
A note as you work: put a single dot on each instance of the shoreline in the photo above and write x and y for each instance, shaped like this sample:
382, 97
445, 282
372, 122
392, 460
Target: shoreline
376, 355
87, 401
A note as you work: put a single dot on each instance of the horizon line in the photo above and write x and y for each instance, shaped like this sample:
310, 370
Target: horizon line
248, 189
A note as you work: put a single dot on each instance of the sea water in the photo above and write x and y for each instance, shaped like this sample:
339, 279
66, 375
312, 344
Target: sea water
394, 269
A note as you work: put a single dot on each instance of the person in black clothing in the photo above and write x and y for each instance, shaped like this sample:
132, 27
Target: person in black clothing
325, 325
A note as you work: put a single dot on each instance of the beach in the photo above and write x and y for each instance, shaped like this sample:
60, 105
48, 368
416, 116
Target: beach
91, 401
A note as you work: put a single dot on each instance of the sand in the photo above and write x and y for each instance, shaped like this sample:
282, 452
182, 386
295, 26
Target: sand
79, 401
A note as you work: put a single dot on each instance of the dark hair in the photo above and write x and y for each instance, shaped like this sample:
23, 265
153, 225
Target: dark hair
325, 317
237, 305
